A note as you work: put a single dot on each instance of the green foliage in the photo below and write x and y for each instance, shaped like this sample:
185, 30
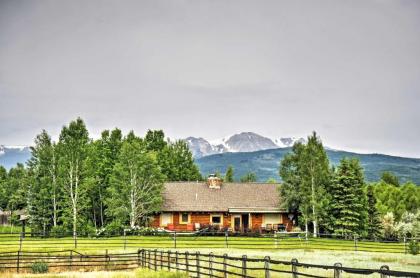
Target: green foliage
73, 150
373, 221
348, 203
136, 184
177, 163
305, 173
413, 247
389, 178
249, 177
397, 199
39, 267
229, 174
271, 180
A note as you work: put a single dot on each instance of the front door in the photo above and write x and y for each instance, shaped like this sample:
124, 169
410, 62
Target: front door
245, 222
237, 223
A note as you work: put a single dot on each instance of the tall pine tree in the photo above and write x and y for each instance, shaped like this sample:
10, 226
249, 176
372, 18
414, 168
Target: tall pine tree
348, 202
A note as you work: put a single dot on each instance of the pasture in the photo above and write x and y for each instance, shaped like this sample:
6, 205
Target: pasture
350, 253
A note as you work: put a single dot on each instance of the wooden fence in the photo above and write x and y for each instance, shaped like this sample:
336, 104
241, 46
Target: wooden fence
195, 264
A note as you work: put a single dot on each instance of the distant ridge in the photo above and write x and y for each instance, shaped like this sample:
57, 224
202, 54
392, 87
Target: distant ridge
265, 164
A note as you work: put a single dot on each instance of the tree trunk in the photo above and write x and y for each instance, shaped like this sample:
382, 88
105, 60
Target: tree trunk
315, 222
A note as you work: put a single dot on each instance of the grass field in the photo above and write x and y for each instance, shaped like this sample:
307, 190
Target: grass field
315, 251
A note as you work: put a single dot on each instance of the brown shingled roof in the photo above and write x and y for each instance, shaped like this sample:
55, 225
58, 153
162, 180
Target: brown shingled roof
198, 197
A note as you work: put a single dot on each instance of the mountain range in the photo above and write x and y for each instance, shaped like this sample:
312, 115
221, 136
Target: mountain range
242, 142
251, 152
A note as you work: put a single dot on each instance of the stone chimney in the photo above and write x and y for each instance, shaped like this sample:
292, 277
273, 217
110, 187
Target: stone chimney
214, 182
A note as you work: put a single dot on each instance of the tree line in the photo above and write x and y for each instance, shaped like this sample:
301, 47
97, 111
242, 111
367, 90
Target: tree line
337, 200
83, 185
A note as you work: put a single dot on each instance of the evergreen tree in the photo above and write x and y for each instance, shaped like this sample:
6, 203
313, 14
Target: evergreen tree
4, 191
229, 174
374, 219
348, 207
249, 177
44, 197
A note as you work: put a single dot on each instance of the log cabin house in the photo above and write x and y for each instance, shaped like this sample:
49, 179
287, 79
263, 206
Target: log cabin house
239, 207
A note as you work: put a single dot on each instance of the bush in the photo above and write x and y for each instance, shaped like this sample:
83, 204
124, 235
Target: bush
39, 267
59, 231
413, 247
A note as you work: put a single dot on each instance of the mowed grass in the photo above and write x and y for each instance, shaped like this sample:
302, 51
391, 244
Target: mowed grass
314, 251
12, 243
138, 273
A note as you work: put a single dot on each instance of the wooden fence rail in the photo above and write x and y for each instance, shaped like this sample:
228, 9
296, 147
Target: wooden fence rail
195, 264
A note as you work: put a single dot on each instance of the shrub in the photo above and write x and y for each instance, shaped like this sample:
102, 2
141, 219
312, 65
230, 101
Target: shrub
39, 267
413, 247
58, 231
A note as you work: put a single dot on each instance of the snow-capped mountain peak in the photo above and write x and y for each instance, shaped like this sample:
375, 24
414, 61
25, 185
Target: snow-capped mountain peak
242, 142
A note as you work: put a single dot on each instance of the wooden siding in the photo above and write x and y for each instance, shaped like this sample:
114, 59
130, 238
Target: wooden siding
256, 220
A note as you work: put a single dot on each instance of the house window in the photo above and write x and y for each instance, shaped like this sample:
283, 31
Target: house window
216, 219
184, 218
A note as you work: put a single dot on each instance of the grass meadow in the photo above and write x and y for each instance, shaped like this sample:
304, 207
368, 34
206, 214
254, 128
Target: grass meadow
314, 251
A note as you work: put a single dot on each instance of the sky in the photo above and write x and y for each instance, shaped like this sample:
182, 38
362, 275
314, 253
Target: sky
349, 70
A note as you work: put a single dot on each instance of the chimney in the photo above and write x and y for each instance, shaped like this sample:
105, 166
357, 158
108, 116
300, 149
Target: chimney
214, 182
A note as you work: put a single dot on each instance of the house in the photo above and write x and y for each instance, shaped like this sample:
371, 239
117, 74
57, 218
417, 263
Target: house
190, 206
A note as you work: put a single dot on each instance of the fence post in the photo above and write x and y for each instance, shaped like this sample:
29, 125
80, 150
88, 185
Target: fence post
148, 259
161, 260
225, 275
176, 261
175, 239
21, 241
155, 260
226, 239
75, 239
18, 261
169, 260
187, 266
197, 263
294, 268
276, 240
71, 259
211, 257
337, 270
384, 267
106, 259
125, 239
355, 243
267, 267
244, 266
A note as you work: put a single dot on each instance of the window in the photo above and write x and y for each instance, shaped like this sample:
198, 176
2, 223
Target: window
165, 219
184, 218
216, 219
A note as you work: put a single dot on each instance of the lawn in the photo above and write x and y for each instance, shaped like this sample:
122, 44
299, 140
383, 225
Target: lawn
315, 251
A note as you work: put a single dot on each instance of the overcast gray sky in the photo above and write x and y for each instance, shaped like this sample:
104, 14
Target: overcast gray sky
348, 69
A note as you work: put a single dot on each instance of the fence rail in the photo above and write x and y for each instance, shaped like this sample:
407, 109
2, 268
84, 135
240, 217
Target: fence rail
31, 241
194, 263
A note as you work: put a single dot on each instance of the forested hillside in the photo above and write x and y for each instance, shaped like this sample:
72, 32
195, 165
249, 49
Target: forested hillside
265, 164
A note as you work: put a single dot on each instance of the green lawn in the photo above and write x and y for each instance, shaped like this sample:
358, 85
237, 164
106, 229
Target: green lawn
315, 251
